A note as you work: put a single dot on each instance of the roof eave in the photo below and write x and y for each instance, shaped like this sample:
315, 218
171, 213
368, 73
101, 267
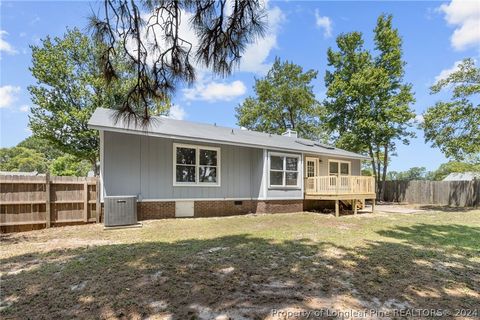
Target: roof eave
170, 136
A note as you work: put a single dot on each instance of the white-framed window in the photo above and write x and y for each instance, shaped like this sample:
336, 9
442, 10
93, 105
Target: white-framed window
339, 168
283, 170
196, 165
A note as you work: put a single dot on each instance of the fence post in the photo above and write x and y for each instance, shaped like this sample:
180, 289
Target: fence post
432, 185
48, 215
477, 195
85, 200
472, 194
98, 205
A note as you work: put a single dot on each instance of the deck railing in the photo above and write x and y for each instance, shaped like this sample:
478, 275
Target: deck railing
333, 185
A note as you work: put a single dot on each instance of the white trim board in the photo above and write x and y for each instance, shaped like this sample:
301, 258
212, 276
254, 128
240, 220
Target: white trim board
302, 174
102, 164
264, 174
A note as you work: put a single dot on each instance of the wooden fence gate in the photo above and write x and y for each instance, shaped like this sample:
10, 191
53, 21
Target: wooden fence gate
36, 202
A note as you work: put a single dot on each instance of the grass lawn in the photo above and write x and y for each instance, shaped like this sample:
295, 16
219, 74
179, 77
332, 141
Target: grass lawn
243, 267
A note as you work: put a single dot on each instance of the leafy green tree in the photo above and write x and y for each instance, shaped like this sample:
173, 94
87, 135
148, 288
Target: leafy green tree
392, 175
367, 172
368, 103
69, 165
68, 89
20, 159
414, 173
454, 126
41, 146
284, 99
37, 154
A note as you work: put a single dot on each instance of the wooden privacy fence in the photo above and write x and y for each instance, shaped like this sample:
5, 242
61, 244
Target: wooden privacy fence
43, 201
446, 193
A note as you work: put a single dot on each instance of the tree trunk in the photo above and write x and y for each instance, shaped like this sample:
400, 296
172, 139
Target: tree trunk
292, 121
96, 168
384, 174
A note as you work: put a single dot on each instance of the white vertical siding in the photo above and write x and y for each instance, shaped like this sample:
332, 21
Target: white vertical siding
143, 166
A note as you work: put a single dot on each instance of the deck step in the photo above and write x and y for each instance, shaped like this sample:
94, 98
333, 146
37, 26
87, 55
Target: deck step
348, 204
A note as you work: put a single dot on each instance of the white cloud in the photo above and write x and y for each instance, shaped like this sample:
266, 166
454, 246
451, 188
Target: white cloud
465, 16
253, 58
177, 112
8, 94
34, 20
419, 118
185, 33
446, 72
4, 45
25, 108
215, 91
255, 55
325, 23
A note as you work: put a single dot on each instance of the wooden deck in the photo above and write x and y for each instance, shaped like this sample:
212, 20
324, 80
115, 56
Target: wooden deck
342, 188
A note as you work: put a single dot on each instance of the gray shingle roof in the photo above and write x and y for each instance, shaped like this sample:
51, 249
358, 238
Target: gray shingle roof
462, 176
104, 119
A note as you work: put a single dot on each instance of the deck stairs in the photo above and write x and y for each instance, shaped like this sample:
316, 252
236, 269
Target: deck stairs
347, 204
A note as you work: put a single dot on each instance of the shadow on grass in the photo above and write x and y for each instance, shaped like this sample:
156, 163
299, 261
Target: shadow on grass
445, 208
453, 236
11, 238
243, 276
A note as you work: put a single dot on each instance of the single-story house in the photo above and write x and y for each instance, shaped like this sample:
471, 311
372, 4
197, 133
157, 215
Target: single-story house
462, 176
179, 168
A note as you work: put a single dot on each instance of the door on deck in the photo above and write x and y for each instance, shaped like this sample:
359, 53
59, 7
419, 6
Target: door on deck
311, 170
341, 170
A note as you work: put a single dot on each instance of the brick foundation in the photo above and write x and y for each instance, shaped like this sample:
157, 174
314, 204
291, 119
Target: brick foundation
155, 210
205, 208
229, 208
279, 206
223, 208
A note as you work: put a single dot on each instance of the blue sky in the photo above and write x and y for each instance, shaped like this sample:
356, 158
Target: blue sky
436, 35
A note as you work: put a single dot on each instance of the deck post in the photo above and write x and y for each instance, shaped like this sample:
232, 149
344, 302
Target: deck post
373, 205
354, 204
337, 208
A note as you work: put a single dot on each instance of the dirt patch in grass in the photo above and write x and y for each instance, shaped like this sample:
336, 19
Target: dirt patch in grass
223, 271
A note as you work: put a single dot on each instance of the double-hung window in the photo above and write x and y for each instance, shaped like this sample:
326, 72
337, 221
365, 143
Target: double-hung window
196, 165
284, 170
